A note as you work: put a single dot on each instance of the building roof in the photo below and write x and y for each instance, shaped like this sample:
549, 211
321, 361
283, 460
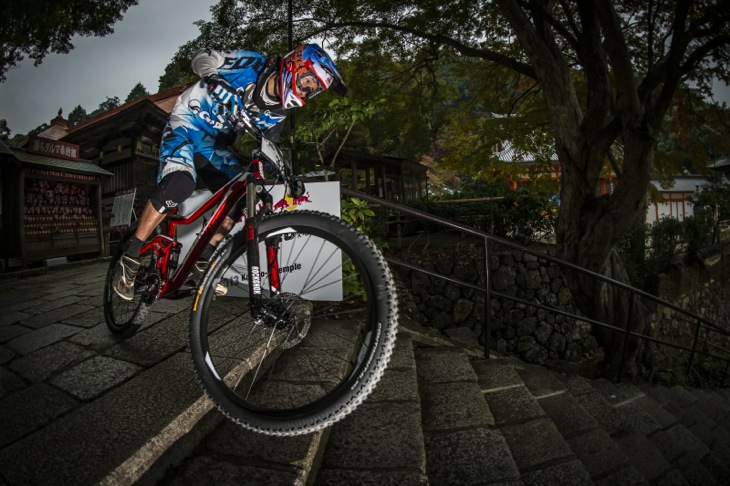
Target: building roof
164, 100
58, 128
683, 183
722, 164
81, 166
508, 153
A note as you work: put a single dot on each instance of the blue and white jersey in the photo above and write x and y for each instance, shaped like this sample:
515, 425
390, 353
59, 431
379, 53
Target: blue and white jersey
196, 108
198, 124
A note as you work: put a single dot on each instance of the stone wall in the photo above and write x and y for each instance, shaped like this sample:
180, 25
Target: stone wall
702, 288
535, 335
540, 336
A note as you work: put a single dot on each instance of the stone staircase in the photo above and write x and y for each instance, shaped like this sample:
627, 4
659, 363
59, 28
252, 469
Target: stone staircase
442, 416
79, 407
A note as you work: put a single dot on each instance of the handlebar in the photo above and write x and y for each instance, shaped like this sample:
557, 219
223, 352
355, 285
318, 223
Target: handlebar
243, 122
267, 150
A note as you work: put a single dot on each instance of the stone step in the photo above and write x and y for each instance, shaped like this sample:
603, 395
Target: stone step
645, 427
542, 454
381, 442
233, 452
584, 416
84, 408
694, 425
234, 455
463, 443
713, 405
78, 407
367, 446
115, 438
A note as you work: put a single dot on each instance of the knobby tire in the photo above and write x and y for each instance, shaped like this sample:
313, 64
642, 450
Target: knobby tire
307, 363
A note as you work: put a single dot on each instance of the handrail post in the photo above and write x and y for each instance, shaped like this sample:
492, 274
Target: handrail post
694, 348
624, 351
487, 329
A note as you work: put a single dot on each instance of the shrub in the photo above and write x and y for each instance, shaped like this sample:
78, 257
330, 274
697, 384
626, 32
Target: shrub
499, 211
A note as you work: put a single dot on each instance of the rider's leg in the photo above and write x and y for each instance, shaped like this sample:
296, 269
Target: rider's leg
225, 228
172, 190
176, 181
215, 166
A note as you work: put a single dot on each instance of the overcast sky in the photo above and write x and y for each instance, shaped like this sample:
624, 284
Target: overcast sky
140, 48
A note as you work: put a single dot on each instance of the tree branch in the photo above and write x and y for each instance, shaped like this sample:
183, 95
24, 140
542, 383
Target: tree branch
342, 143
591, 55
553, 74
627, 99
458, 46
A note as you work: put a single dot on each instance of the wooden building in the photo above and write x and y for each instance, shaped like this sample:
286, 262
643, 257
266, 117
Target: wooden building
391, 178
534, 166
674, 201
50, 203
125, 141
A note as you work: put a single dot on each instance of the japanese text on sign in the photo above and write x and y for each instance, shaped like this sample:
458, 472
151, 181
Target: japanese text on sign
53, 148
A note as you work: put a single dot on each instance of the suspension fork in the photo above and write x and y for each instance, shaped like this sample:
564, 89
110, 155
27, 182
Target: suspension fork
272, 245
250, 229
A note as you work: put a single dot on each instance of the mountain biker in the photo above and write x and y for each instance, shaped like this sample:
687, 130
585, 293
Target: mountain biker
197, 133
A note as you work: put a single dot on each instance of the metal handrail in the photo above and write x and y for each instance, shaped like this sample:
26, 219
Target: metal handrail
487, 237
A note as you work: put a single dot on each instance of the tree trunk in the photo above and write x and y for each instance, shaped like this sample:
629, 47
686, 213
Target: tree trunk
589, 227
616, 307
619, 107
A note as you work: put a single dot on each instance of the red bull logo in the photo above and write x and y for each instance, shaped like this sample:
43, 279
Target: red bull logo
291, 203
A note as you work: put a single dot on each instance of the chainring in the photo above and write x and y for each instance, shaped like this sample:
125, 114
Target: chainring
149, 286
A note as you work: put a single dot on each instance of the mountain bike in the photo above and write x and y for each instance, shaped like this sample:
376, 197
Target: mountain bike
293, 322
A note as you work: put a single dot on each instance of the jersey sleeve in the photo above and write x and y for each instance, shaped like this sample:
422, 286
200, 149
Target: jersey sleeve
238, 67
205, 62
274, 133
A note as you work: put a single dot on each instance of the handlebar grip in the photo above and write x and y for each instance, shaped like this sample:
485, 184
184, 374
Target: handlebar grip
242, 121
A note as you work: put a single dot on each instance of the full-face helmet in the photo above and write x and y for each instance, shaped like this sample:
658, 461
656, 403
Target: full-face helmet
305, 72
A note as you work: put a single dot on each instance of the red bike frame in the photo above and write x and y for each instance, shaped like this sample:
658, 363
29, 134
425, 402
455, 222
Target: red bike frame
225, 199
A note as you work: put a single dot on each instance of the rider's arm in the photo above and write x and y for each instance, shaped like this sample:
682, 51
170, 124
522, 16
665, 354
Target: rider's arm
205, 62
274, 133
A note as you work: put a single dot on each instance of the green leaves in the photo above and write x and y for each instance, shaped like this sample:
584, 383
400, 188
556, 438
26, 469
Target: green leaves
139, 91
358, 213
328, 129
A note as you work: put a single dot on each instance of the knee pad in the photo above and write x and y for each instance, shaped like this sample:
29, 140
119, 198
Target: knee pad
173, 189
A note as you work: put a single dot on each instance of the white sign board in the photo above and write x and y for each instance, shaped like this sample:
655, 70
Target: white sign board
122, 209
319, 196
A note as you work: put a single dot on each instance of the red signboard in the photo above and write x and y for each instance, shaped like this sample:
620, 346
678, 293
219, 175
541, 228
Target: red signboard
53, 148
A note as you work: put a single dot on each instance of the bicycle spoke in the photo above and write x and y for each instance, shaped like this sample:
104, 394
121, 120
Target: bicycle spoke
307, 344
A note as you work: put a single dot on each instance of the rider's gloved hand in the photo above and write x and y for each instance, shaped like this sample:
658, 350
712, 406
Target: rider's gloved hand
236, 107
222, 91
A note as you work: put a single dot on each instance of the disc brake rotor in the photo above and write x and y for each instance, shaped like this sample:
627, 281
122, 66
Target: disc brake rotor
286, 320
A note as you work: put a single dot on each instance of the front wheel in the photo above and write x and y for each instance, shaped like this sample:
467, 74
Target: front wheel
318, 345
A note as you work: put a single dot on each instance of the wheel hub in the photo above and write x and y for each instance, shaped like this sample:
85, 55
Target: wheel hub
287, 318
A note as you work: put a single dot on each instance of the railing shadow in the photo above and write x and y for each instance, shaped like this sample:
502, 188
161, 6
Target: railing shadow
699, 345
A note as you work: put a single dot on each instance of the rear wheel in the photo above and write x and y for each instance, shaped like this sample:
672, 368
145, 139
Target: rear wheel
124, 317
318, 347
